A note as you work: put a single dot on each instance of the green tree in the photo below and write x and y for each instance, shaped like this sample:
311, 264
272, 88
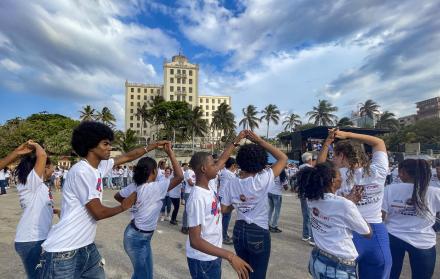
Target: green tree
323, 114
369, 109
270, 113
345, 122
106, 117
250, 119
198, 127
223, 119
87, 113
144, 115
291, 122
126, 141
387, 120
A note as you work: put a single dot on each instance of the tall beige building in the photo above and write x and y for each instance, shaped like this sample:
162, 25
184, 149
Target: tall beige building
181, 83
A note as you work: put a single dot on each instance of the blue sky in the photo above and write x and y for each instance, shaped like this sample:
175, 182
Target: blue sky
59, 56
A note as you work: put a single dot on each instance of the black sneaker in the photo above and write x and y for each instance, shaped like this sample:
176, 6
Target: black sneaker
184, 230
276, 230
228, 241
173, 222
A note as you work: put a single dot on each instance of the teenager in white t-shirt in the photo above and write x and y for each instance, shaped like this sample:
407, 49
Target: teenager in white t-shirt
333, 220
248, 195
146, 210
409, 211
190, 180
203, 247
69, 250
226, 173
166, 203
175, 196
365, 176
37, 205
275, 199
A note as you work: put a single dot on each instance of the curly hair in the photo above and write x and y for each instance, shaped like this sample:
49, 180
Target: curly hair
251, 158
231, 161
24, 168
197, 160
420, 172
355, 155
143, 169
314, 182
88, 134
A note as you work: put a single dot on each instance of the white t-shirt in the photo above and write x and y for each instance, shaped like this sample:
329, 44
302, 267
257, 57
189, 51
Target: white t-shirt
249, 197
332, 220
125, 172
65, 172
189, 174
175, 192
8, 174
404, 222
276, 187
203, 208
37, 204
146, 210
371, 203
160, 174
224, 176
2, 175
77, 227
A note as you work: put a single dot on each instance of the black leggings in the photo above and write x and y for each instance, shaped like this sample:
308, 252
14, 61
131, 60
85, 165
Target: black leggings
176, 205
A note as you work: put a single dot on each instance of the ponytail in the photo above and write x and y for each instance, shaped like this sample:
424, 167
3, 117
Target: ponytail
314, 182
143, 170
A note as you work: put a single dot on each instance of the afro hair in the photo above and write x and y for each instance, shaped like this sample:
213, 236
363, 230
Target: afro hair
88, 134
251, 158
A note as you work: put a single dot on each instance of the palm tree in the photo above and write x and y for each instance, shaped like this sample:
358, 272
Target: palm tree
126, 141
197, 126
223, 119
270, 113
369, 108
291, 122
152, 118
87, 114
345, 122
106, 117
250, 119
387, 121
143, 113
322, 114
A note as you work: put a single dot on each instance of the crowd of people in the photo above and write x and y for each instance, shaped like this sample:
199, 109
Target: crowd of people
359, 226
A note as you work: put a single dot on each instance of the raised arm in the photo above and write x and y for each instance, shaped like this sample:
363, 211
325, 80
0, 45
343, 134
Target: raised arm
376, 143
24, 148
137, 152
41, 155
178, 174
228, 150
281, 162
322, 156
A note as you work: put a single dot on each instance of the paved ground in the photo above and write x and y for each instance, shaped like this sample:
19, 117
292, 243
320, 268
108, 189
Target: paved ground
289, 255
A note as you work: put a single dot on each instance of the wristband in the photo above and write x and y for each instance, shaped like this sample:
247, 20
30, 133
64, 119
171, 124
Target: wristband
146, 149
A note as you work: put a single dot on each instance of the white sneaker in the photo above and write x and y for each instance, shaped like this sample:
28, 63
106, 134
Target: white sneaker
168, 218
311, 243
305, 238
162, 218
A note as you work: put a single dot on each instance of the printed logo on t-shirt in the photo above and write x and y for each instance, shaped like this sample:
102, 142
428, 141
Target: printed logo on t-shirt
372, 194
215, 210
99, 185
246, 204
320, 221
406, 208
242, 198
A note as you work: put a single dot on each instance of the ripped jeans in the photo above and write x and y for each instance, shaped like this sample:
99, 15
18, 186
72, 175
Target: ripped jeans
85, 262
252, 244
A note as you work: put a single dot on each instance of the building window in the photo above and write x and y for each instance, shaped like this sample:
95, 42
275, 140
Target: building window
190, 72
138, 118
132, 89
131, 125
201, 100
139, 90
184, 72
145, 125
190, 81
131, 117
184, 80
207, 107
131, 110
131, 97
183, 98
171, 97
151, 91
183, 89
190, 98
151, 98
138, 125
171, 80
178, 88
145, 97
171, 71
171, 88
207, 114
178, 80
158, 91
139, 97
213, 107
178, 71
131, 104
212, 101
178, 97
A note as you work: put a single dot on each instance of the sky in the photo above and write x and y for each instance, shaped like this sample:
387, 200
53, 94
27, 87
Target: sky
59, 56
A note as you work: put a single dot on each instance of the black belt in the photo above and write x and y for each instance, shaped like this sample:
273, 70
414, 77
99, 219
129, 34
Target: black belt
137, 229
335, 258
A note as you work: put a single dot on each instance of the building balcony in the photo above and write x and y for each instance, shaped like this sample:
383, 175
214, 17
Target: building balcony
177, 75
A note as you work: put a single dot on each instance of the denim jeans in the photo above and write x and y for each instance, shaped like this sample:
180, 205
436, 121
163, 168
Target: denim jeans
185, 216
29, 253
226, 218
85, 262
137, 245
166, 204
252, 244
374, 259
307, 230
3, 187
321, 267
205, 269
422, 261
274, 203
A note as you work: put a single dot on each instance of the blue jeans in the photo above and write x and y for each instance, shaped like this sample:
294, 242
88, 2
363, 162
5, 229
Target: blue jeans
374, 254
205, 269
29, 253
2, 187
422, 261
307, 230
137, 245
274, 203
185, 216
252, 244
166, 204
226, 218
322, 267
85, 262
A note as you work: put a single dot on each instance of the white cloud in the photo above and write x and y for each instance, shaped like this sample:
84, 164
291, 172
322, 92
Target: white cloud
10, 65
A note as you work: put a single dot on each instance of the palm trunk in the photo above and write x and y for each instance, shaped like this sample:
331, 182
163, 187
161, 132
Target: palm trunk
192, 144
267, 133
